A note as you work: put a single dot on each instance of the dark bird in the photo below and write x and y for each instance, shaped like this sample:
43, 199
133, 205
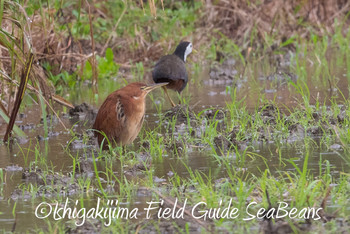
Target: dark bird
171, 68
121, 115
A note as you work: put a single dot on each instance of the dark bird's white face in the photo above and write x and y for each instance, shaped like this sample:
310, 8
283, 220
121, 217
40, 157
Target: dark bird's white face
188, 50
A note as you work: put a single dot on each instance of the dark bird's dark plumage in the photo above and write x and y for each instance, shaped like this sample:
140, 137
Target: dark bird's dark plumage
172, 68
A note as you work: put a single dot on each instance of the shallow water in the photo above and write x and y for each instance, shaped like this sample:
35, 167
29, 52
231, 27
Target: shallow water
201, 94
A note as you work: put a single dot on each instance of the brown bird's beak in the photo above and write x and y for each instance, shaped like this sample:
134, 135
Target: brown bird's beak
150, 87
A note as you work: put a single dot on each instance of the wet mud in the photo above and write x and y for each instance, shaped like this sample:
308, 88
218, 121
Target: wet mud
183, 129
317, 126
182, 114
83, 112
49, 185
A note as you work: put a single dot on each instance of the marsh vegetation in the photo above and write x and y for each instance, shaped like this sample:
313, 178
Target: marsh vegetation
263, 124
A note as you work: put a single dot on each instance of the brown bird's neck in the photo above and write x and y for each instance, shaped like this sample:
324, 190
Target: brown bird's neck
137, 106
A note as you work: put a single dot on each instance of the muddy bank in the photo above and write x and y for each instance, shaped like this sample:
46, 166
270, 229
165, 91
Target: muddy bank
265, 122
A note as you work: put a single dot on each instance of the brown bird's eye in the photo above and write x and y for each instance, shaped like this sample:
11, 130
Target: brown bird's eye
121, 115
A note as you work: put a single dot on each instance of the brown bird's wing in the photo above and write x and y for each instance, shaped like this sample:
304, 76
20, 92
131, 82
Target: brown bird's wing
170, 68
110, 120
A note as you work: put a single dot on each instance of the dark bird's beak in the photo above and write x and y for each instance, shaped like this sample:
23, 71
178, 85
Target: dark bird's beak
150, 87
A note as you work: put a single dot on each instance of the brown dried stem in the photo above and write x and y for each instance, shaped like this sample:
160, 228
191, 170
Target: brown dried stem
20, 94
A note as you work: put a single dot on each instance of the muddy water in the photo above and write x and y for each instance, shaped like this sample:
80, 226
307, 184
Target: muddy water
202, 93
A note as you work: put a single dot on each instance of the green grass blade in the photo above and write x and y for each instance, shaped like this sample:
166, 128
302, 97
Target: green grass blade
16, 129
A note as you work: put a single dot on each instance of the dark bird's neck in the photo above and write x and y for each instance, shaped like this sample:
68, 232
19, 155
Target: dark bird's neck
179, 52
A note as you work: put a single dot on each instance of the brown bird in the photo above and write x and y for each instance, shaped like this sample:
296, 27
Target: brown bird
121, 115
171, 68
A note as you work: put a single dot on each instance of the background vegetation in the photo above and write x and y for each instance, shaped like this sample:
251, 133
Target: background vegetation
74, 41
49, 48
